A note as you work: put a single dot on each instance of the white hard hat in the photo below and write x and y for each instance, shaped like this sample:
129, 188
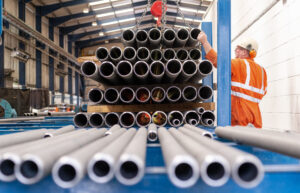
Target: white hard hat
249, 44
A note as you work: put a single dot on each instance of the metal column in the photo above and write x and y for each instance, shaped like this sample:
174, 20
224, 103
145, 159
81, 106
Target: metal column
22, 67
77, 86
224, 63
51, 67
61, 78
38, 53
70, 84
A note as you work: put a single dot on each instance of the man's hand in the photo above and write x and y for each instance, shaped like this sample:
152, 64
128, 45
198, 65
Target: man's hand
202, 38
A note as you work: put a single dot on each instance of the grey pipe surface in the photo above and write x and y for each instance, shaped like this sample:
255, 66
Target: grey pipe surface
168, 38
21, 119
143, 54
37, 164
96, 120
90, 70
157, 71
102, 54
128, 37
107, 71
182, 168
130, 168
189, 93
141, 71
191, 117
125, 71
115, 54
127, 95
143, 95
111, 119
111, 95
199, 130
192, 42
141, 38
154, 36
70, 169
200, 110
205, 93
173, 69
169, 54
143, 119
246, 169
204, 69
127, 119
60, 113
81, 120
208, 118
152, 133
129, 54
158, 94
182, 36
175, 118
59, 131
159, 118
95, 95
101, 167
113, 129
214, 168
173, 94
156, 55
189, 69
195, 54
182, 55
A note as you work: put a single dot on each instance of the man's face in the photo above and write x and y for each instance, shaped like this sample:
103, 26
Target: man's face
240, 52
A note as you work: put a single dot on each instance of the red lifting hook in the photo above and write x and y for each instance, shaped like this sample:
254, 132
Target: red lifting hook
156, 11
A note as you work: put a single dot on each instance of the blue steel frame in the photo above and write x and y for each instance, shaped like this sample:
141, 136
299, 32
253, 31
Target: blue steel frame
1, 50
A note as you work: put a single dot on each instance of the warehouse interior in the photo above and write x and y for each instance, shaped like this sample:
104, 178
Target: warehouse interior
84, 82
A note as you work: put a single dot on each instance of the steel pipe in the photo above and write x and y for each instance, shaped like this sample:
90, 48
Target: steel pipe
129, 54
95, 96
195, 54
127, 95
38, 114
182, 168
205, 93
127, 119
152, 133
208, 118
158, 94
192, 42
115, 54
90, 70
168, 38
173, 94
96, 120
128, 37
173, 69
182, 36
101, 167
107, 72
130, 168
191, 117
111, 119
182, 55
168, 54
157, 71
143, 119
142, 95
189, 93
81, 120
204, 69
189, 69
125, 71
214, 168
141, 71
111, 95
141, 38
37, 164
156, 55
70, 169
102, 54
59, 131
143, 54
154, 36
61, 113
21, 119
175, 118
113, 129
199, 130
159, 118
200, 110
246, 169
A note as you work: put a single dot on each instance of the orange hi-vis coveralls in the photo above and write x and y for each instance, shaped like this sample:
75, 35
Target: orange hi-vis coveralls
248, 86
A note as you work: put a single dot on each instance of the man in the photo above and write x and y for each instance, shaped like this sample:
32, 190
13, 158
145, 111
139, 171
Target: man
248, 82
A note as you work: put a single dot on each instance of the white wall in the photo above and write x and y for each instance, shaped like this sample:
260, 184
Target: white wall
278, 34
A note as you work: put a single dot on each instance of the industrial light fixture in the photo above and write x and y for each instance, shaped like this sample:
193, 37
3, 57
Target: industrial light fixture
86, 10
101, 34
106, 41
101, 2
94, 23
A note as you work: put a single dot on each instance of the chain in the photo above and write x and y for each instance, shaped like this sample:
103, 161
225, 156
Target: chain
143, 15
181, 14
163, 18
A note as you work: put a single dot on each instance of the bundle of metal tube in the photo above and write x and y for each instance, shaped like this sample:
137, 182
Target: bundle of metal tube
205, 93
195, 54
143, 95
156, 55
81, 120
182, 168
189, 69
141, 38
159, 118
96, 120
208, 118
280, 142
247, 170
173, 94
95, 95
127, 95
168, 37
191, 117
129, 54
70, 169
90, 69
189, 93
141, 71
128, 37
168, 54
173, 69
175, 118
107, 71
204, 69
115, 54
127, 119
113, 129
102, 54
125, 71
192, 41
157, 71
182, 36
158, 94
143, 119
111, 96
143, 54
182, 55
152, 132
154, 36
111, 119
59, 131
